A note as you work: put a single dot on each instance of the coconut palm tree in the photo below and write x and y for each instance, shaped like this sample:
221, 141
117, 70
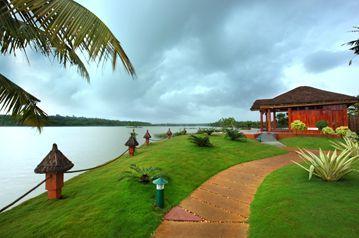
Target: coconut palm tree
62, 29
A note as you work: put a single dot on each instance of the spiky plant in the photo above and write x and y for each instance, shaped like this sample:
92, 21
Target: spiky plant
235, 135
143, 175
201, 141
329, 166
349, 144
61, 29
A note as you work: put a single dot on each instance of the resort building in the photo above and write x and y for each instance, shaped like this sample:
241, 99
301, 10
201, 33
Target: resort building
307, 104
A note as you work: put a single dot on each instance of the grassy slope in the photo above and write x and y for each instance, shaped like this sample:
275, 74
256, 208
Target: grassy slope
288, 205
96, 204
309, 142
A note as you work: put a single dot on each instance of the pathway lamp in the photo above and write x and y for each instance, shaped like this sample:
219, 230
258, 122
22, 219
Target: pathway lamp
54, 165
132, 143
169, 133
147, 136
160, 186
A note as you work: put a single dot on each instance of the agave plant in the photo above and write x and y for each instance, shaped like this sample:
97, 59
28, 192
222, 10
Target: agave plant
235, 135
349, 144
61, 29
201, 141
141, 174
330, 166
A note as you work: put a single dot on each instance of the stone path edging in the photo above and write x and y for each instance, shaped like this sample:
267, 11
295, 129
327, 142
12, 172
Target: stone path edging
220, 206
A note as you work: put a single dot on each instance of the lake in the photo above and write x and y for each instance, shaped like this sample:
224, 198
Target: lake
23, 148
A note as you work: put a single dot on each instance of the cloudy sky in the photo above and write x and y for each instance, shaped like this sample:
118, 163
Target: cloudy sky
200, 60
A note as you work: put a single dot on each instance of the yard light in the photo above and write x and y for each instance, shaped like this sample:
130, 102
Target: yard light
147, 136
169, 133
132, 143
160, 186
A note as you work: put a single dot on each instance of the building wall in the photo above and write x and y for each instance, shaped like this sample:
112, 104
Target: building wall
335, 115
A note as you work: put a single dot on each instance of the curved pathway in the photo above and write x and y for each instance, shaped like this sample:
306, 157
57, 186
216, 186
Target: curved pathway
220, 206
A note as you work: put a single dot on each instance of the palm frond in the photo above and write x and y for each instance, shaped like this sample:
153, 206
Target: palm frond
61, 28
21, 104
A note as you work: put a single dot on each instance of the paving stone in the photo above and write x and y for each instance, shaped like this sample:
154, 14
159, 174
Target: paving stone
179, 214
209, 212
170, 229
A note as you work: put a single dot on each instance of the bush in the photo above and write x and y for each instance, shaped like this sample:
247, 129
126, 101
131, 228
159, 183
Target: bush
235, 135
321, 124
161, 135
200, 141
143, 175
180, 133
328, 131
208, 131
349, 144
352, 135
298, 125
329, 167
342, 130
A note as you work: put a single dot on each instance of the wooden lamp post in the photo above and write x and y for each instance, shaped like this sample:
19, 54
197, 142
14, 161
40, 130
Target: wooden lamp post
147, 136
169, 133
54, 165
132, 143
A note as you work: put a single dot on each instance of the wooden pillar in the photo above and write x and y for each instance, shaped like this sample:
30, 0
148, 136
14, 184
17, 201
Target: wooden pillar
269, 123
261, 115
289, 117
274, 120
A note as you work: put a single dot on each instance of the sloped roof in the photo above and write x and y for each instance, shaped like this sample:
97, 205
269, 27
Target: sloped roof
54, 162
304, 95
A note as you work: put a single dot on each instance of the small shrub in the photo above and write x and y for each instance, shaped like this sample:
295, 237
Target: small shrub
342, 130
349, 144
298, 125
329, 167
208, 131
352, 135
161, 135
180, 133
328, 131
200, 141
235, 135
321, 124
143, 175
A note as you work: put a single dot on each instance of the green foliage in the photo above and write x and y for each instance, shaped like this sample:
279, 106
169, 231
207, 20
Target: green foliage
342, 130
282, 120
235, 135
298, 125
161, 135
229, 123
201, 141
58, 120
330, 166
143, 175
180, 133
328, 131
350, 144
321, 124
207, 131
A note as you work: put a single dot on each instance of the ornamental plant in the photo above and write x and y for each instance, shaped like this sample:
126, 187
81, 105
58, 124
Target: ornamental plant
330, 166
349, 144
328, 131
201, 141
298, 125
143, 175
321, 124
342, 130
235, 135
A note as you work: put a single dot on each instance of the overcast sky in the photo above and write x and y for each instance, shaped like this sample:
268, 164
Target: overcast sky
199, 60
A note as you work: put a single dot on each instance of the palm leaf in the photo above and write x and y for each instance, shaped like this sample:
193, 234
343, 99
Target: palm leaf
60, 27
21, 104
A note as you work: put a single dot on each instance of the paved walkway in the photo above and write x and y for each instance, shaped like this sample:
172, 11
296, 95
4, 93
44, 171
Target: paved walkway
220, 206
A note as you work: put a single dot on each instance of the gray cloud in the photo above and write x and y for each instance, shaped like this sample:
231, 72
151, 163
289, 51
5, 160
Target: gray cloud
196, 60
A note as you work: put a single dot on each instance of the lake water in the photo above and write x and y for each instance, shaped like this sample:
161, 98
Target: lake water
22, 149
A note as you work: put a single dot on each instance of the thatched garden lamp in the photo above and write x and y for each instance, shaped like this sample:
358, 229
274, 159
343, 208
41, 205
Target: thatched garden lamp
147, 136
54, 165
160, 186
132, 143
169, 133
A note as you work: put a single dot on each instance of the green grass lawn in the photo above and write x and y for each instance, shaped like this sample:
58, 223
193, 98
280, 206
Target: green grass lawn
288, 205
309, 142
97, 204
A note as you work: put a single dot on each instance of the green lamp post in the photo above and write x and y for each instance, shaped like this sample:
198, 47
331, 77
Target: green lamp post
160, 186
